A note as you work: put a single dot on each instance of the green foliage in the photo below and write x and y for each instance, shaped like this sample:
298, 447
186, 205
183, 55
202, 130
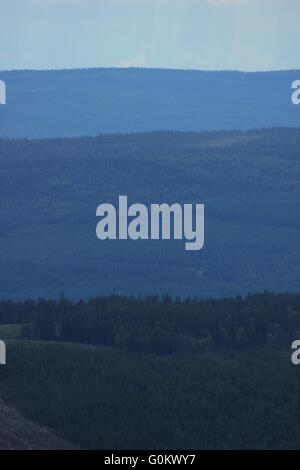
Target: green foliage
108, 399
162, 325
11, 331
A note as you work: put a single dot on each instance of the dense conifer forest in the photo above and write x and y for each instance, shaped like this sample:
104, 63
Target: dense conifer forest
248, 182
161, 325
108, 364
157, 373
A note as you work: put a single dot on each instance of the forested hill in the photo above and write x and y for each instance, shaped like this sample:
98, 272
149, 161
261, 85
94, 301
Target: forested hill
50, 189
93, 101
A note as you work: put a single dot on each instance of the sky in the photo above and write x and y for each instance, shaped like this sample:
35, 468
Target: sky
250, 35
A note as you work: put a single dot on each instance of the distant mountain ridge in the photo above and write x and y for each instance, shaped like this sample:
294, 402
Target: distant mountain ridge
92, 101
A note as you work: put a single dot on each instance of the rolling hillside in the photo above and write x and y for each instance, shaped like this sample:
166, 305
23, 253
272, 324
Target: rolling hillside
50, 189
88, 102
100, 398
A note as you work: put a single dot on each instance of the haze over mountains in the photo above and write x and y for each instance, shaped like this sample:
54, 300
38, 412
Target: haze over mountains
50, 189
93, 101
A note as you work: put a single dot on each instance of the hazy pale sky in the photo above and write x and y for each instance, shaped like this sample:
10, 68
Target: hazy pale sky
198, 34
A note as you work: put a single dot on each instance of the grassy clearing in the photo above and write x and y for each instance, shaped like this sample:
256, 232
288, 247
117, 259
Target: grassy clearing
10, 332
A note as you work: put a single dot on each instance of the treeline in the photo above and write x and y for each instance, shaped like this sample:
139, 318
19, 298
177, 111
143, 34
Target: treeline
161, 325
